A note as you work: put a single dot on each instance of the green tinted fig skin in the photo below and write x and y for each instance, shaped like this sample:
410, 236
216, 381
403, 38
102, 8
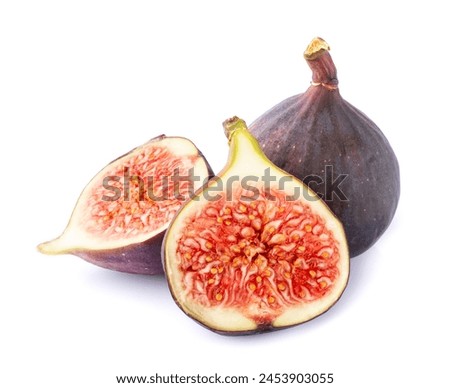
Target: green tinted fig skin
306, 132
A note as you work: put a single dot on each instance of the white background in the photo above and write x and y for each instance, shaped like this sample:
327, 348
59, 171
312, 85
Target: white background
83, 82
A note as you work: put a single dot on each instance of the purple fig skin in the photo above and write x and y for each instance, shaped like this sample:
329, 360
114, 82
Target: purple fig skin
307, 132
143, 258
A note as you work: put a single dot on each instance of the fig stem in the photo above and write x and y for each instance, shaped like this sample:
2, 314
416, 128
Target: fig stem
324, 71
232, 125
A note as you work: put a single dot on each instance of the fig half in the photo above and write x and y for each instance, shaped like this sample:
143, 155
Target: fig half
122, 214
336, 149
255, 250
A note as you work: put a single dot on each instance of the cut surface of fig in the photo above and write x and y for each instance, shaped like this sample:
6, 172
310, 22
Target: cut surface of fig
122, 214
243, 258
325, 141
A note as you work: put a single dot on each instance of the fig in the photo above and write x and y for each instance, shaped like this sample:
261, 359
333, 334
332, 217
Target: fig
336, 149
255, 249
122, 214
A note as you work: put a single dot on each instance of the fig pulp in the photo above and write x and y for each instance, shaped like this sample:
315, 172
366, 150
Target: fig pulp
338, 151
121, 216
255, 250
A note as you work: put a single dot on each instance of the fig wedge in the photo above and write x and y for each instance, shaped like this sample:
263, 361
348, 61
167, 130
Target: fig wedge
122, 214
